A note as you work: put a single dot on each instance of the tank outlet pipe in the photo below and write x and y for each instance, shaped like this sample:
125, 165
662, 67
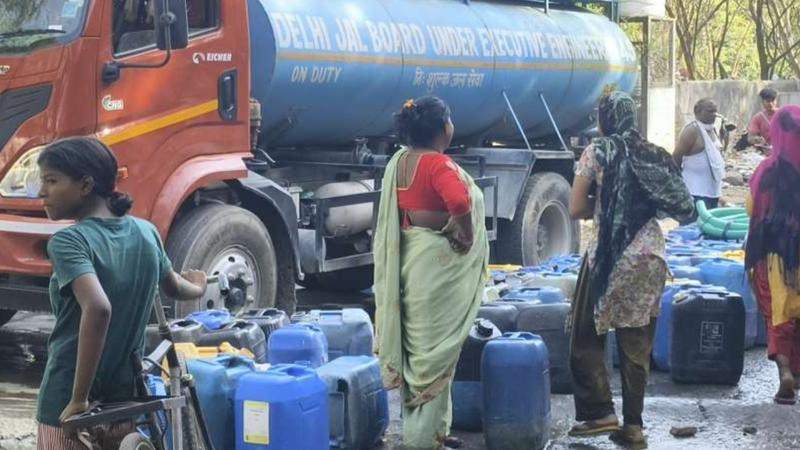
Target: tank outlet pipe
553, 121
516, 119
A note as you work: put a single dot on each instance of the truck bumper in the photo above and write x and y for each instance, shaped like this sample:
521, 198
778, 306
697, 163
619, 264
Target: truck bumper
24, 266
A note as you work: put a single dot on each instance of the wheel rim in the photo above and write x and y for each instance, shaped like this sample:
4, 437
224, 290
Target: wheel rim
239, 267
553, 233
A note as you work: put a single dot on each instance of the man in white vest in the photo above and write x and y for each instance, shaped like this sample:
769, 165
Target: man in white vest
699, 154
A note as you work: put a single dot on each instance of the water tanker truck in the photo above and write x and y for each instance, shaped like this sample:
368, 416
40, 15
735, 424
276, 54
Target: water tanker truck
254, 133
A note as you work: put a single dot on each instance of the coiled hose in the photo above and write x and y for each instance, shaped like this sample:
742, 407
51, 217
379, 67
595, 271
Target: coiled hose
722, 223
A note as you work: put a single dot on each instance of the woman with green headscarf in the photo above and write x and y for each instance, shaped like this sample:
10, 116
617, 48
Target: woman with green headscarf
431, 254
624, 270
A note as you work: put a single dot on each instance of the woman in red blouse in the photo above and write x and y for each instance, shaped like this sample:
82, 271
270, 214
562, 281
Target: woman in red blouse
430, 191
431, 253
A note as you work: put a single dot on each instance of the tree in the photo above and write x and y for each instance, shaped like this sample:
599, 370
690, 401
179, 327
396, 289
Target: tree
777, 40
693, 18
14, 13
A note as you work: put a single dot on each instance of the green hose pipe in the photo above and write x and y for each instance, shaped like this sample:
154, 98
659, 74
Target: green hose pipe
722, 223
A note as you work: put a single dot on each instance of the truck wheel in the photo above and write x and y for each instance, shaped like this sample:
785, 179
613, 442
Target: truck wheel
6, 315
541, 227
225, 241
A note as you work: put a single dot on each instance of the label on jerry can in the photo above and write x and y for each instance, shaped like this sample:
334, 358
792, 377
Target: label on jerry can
712, 335
256, 423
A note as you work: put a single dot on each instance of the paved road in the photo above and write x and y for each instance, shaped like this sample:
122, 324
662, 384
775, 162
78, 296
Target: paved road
721, 413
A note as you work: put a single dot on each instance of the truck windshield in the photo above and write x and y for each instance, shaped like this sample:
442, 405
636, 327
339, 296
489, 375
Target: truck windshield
29, 24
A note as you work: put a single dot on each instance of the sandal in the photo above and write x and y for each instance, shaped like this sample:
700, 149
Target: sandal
453, 442
788, 401
594, 427
630, 436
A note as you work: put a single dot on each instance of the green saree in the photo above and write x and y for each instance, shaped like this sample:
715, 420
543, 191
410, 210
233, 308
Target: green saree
427, 297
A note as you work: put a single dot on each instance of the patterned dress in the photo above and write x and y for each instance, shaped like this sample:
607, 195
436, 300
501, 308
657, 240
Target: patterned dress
637, 281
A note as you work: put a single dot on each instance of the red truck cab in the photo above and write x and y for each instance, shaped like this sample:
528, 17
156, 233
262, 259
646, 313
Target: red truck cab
91, 67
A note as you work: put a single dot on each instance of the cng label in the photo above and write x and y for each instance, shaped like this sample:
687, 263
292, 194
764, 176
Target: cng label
110, 104
199, 57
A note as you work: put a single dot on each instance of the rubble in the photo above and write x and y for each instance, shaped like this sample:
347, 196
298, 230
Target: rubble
683, 431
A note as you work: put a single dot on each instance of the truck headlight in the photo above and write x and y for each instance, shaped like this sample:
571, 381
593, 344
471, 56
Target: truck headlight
22, 181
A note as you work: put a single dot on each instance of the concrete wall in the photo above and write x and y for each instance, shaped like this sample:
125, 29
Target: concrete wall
738, 100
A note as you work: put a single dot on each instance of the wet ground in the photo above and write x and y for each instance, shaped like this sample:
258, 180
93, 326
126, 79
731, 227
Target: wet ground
721, 413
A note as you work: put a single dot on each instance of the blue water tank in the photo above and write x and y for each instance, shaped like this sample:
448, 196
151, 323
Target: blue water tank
467, 393
349, 331
516, 392
564, 263
705, 255
216, 381
156, 387
720, 246
502, 315
212, 319
309, 58
687, 233
284, 408
731, 275
547, 320
707, 337
680, 259
357, 402
543, 294
686, 272
690, 248
298, 342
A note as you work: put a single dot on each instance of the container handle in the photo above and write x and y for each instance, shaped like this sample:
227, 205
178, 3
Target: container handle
520, 335
293, 370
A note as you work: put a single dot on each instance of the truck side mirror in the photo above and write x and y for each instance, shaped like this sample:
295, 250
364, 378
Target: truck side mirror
171, 24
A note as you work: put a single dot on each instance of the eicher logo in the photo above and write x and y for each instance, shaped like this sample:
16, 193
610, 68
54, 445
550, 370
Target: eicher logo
110, 104
4, 69
199, 57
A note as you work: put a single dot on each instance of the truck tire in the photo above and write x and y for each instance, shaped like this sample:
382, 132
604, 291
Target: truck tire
6, 315
225, 240
541, 227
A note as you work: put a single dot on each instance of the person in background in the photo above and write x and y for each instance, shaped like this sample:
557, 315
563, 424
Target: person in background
758, 134
431, 256
772, 256
106, 270
699, 154
623, 273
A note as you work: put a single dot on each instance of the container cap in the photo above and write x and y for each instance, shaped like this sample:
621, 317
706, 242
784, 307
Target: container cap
484, 327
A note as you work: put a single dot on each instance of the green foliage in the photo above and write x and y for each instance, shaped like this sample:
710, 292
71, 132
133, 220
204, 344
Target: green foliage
14, 13
735, 39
